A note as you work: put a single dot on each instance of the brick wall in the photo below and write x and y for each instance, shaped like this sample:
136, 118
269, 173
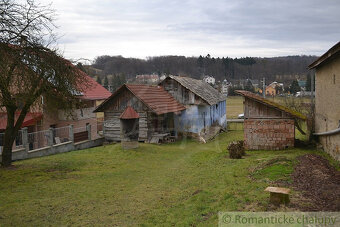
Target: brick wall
269, 134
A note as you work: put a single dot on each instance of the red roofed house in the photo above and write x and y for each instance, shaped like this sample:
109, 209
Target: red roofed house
137, 111
43, 119
178, 106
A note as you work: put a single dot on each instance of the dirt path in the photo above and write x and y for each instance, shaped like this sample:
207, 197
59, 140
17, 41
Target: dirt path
319, 183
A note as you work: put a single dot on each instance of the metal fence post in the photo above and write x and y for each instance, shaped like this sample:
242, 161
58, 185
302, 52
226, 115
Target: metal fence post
88, 129
25, 139
50, 137
71, 135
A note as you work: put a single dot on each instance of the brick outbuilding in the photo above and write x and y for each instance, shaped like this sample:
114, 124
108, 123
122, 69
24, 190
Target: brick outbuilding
267, 125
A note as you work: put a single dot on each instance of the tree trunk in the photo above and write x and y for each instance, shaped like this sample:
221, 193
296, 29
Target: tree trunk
9, 138
7, 150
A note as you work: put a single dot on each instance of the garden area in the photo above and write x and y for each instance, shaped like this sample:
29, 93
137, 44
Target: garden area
184, 183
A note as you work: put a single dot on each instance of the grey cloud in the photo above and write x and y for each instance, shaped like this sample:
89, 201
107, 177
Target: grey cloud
193, 26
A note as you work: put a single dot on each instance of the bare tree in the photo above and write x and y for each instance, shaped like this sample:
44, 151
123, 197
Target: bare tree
30, 68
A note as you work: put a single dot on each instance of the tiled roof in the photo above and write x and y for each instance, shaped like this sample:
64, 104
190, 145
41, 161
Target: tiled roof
94, 91
154, 97
201, 89
267, 102
30, 119
129, 113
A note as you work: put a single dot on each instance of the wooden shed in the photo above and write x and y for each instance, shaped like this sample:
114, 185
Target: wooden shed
137, 112
267, 125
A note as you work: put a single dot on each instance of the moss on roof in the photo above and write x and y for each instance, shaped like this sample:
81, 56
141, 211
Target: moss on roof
272, 104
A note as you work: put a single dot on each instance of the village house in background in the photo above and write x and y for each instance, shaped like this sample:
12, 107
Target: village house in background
147, 79
209, 80
274, 89
327, 100
225, 87
42, 119
267, 125
178, 106
302, 84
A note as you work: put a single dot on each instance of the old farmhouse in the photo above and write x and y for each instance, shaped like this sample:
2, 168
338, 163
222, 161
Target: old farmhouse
267, 125
327, 100
205, 112
177, 106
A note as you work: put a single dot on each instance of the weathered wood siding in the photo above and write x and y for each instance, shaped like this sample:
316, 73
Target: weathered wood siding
254, 109
143, 126
181, 94
112, 125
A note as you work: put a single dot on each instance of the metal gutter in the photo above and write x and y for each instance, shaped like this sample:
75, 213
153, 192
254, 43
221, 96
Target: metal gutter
332, 132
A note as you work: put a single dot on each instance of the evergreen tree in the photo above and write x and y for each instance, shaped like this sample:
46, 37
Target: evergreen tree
106, 82
294, 87
309, 82
249, 86
99, 81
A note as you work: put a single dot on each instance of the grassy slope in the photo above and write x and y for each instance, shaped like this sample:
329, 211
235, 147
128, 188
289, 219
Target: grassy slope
184, 183
234, 106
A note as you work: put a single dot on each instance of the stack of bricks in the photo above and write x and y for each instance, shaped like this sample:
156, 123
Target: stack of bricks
269, 134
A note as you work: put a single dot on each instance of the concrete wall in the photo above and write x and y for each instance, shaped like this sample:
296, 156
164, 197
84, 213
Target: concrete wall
196, 117
327, 105
51, 148
269, 134
55, 149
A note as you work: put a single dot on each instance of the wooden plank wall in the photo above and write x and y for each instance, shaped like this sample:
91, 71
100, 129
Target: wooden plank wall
112, 128
143, 126
253, 109
180, 93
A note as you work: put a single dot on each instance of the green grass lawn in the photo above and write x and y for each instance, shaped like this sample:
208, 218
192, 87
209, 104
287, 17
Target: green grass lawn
182, 184
234, 106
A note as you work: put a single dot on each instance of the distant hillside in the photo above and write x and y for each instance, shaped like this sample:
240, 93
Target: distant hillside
276, 68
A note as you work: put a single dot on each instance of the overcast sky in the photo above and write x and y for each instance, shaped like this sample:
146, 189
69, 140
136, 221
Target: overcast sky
138, 28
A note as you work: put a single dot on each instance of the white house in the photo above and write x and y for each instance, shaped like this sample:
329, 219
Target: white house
209, 80
225, 87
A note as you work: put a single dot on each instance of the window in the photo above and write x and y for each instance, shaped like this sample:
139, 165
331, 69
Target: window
334, 79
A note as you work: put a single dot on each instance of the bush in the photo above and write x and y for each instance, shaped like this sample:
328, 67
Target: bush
236, 149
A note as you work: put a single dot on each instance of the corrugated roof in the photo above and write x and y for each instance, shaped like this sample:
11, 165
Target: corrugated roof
129, 113
201, 89
267, 102
326, 56
154, 97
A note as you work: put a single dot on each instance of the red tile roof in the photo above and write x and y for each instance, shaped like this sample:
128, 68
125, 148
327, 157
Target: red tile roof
154, 97
129, 113
30, 119
95, 91
267, 102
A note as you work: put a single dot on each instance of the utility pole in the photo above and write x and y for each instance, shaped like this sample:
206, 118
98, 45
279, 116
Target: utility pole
264, 88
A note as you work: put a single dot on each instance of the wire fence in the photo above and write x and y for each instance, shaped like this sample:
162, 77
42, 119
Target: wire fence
18, 140
18, 144
38, 139
61, 135
45, 138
